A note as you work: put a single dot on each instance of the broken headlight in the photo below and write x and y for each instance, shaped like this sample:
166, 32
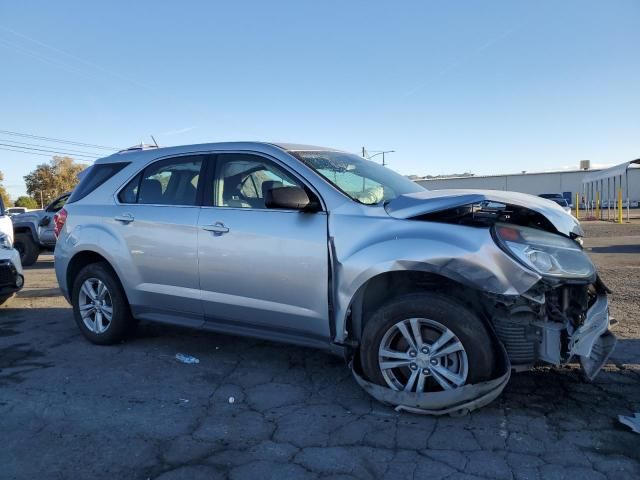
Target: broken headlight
548, 254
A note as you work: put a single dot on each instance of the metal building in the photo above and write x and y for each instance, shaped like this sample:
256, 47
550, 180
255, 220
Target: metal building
568, 183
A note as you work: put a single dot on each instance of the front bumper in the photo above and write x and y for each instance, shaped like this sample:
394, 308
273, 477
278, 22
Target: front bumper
11, 279
592, 342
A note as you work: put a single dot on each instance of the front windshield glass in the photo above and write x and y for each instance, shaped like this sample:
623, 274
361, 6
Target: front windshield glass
363, 180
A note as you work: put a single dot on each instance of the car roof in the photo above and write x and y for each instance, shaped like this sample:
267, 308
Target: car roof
137, 153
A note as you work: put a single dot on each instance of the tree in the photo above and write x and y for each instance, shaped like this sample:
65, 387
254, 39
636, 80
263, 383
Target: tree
3, 192
26, 202
52, 179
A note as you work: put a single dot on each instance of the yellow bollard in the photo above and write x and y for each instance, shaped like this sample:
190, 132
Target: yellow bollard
577, 205
619, 205
597, 205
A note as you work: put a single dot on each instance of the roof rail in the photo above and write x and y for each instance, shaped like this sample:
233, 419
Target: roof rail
137, 148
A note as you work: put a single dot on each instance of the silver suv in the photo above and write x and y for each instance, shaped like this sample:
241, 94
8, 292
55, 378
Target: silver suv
425, 290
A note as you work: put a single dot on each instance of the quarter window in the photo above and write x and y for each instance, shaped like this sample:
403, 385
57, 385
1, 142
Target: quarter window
169, 182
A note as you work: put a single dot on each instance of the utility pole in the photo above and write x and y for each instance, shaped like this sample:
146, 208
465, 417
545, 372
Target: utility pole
381, 152
364, 155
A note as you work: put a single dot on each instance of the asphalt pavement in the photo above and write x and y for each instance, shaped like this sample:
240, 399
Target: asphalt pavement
252, 409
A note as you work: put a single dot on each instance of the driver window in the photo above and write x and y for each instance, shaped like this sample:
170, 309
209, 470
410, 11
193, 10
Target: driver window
242, 180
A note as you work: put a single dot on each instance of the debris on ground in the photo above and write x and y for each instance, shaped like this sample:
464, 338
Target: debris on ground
188, 359
632, 422
232, 399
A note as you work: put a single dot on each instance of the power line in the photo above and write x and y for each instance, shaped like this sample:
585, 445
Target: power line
48, 151
57, 140
74, 57
70, 150
20, 151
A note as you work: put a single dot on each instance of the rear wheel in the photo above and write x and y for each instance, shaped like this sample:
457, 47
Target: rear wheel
28, 249
100, 306
426, 342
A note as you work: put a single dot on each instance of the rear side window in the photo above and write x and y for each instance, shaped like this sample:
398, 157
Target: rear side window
57, 204
94, 177
169, 182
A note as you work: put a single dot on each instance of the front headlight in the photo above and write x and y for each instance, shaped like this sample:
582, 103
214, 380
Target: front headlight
548, 254
5, 242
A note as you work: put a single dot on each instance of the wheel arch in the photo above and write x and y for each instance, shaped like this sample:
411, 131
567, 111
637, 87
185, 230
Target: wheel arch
83, 258
382, 288
21, 228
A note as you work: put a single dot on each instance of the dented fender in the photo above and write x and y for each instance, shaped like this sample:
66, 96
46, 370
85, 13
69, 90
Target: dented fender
468, 255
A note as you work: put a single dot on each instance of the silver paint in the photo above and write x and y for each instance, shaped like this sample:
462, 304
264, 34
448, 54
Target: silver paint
277, 273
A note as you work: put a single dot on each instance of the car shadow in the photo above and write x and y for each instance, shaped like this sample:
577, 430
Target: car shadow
43, 292
627, 351
616, 249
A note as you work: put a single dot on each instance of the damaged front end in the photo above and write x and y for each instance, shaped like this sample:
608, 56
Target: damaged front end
513, 259
554, 324
565, 315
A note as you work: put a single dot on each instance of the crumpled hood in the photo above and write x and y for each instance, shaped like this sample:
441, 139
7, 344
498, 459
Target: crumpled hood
431, 201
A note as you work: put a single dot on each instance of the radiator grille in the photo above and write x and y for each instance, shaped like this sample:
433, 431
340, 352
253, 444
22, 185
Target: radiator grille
520, 349
7, 274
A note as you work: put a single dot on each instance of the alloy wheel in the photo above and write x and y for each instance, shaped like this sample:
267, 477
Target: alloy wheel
96, 305
422, 355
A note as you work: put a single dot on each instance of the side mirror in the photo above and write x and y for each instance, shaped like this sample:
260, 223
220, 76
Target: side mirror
290, 198
44, 221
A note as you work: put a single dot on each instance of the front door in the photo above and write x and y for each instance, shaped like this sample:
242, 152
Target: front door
261, 268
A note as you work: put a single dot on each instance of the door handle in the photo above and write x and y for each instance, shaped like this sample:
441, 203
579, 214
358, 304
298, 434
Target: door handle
217, 227
126, 218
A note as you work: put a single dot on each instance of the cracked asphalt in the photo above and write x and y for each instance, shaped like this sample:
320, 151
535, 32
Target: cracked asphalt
252, 409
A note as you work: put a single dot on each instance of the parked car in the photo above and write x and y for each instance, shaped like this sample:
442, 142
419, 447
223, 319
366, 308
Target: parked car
11, 277
6, 227
319, 247
34, 231
13, 211
559, 199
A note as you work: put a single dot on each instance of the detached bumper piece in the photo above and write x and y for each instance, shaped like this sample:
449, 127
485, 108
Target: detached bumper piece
593, 343
456, 402
10, 280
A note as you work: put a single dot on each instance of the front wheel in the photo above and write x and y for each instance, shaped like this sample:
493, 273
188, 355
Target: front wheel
100, 306
426, 342
28, 249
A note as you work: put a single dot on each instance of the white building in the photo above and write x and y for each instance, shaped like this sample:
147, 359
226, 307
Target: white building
565, 182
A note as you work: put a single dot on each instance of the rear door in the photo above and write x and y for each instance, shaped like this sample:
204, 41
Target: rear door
157, 218
261, 268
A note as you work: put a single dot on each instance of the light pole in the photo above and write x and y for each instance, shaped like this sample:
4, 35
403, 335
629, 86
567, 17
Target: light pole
382, 152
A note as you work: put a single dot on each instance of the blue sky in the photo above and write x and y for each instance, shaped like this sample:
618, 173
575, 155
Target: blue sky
486, 87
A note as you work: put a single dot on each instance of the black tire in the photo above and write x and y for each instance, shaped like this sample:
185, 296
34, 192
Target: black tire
467, 327
29, 250
4, 299
121, 321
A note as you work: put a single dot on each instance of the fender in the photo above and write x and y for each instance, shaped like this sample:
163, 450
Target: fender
95, 239
26, 227
466, 255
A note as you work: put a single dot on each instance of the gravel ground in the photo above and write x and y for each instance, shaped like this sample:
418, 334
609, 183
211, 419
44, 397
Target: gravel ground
253, 409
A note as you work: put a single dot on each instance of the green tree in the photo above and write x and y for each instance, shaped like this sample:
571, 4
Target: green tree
51, 179
3, 192
26, 202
